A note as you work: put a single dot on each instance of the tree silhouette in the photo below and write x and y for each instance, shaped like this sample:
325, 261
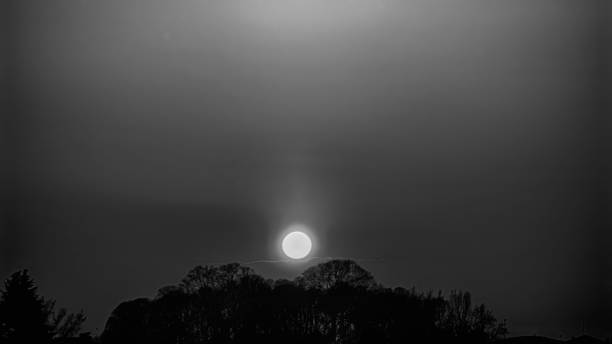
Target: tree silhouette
461, 320
23, 313
214, 277
326, 275
128, 323
334, 302
26, 317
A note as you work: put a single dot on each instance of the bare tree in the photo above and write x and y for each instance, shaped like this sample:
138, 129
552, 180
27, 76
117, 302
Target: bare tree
326, 275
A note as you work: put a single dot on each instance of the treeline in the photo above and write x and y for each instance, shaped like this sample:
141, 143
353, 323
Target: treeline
334, 302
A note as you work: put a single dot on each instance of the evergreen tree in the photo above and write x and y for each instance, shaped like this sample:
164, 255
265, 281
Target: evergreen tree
26, 317
23, 313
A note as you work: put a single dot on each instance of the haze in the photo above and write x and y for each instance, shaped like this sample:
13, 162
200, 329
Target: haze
448, 144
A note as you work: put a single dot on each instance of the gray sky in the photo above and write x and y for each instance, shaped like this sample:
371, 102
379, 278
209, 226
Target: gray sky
461, 144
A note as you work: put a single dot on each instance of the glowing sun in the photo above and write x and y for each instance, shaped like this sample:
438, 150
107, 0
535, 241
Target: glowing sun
296, 245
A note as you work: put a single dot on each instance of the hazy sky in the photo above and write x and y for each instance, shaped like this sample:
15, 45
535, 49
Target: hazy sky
462, 144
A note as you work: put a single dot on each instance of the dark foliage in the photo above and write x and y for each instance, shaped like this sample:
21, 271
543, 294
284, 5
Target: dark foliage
26, 317
334, 302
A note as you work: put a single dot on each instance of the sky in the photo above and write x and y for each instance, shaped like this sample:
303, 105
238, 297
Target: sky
442, 144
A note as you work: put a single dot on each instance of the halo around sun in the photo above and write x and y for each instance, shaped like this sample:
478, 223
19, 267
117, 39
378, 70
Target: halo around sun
296, 245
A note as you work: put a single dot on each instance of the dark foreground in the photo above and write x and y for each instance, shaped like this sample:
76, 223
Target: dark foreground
334, 302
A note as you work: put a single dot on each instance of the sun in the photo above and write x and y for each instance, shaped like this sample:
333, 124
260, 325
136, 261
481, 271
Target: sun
296, 245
